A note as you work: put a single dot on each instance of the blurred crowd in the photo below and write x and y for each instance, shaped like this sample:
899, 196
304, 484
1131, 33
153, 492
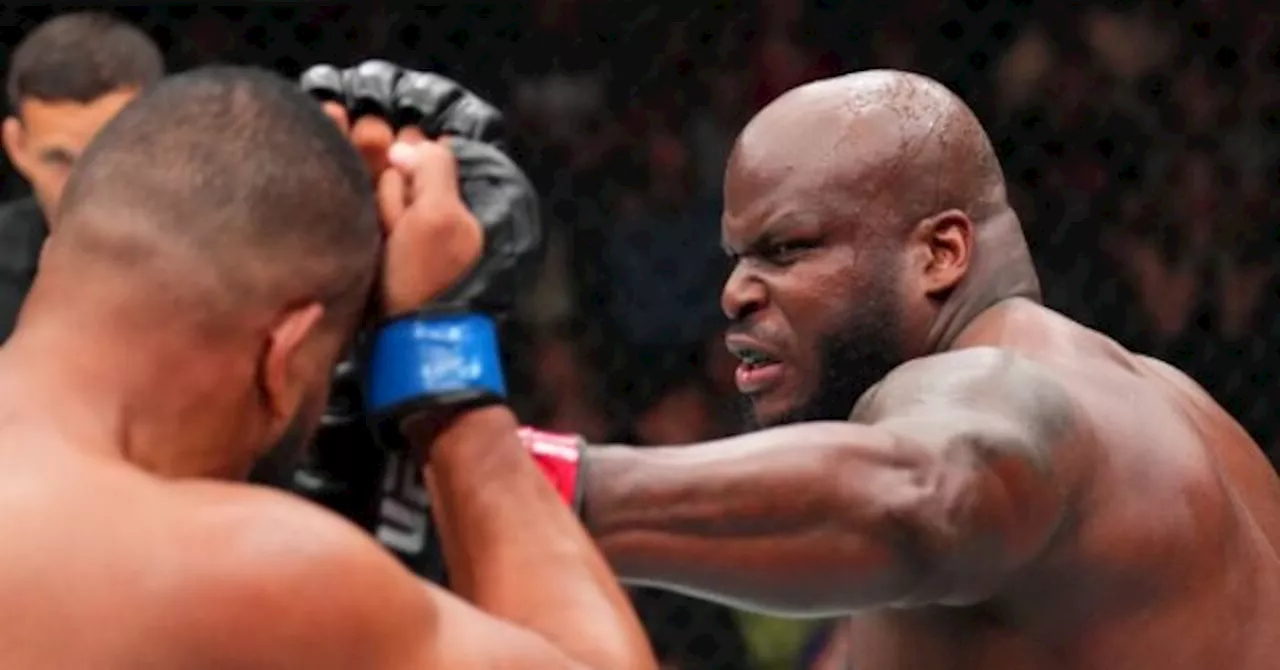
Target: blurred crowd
1140, 141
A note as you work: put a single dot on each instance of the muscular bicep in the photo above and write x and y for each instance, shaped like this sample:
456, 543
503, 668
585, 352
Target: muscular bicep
991, 434
293, 586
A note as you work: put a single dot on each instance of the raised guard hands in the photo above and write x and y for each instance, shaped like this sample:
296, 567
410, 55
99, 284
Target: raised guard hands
432, 206
377, 101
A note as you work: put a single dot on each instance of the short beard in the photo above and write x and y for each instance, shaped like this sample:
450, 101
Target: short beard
851, 360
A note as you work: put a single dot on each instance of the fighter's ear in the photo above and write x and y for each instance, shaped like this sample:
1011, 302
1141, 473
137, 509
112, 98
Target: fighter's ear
15, 143
285, 369
947, 242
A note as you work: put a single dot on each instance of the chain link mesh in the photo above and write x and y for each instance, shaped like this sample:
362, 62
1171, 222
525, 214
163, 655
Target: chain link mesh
1139, 141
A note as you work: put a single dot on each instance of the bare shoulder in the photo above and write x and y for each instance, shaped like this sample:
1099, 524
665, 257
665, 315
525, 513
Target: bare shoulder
1099, 418
987, 386
269, 580
259, 575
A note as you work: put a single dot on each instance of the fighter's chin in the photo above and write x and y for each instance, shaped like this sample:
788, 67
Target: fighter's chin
761, 420
794, 403
766, 411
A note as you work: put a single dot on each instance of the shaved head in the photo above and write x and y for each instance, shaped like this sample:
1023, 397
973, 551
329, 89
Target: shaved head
896, 142
225, 228
862, 210
228, 190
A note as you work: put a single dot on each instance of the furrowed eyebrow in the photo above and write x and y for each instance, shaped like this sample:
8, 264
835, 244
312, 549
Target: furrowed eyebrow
779, 227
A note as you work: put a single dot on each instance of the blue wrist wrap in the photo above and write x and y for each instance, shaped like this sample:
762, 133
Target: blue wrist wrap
432, 355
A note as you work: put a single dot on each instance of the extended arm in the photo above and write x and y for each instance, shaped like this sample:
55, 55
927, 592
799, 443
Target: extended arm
949, 476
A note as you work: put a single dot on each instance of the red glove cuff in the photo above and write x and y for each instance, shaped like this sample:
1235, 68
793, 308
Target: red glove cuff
560, 458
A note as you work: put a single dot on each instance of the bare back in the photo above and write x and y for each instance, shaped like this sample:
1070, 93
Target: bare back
92, 562
1166, 560
106, 566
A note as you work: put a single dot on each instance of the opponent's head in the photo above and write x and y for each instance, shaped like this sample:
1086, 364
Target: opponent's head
226, 222
67, 78
858, 209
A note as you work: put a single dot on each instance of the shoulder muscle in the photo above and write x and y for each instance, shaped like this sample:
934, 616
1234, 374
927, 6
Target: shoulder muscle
981, 388
270, 579
283, 583
991, 432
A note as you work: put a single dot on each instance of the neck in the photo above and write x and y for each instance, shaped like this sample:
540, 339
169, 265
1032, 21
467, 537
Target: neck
103, 381
1001, 270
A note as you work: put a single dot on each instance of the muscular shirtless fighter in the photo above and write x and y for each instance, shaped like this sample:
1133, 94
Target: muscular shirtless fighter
216, 247
1011, 489
982, 482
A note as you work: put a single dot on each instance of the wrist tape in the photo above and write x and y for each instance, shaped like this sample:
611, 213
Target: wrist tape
440, 359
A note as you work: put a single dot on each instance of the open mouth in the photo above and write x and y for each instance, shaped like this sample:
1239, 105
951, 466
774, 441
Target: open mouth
753, 358
757, 370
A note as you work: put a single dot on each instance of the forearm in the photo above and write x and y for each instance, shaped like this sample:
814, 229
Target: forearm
797, 520
517, 552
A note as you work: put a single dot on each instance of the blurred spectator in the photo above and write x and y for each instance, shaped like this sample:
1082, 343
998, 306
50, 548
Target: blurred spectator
784, 52
1128, 44
567, 392
1164, 249
1021, 72
1141, 141
714, 125
662, 254
66, 80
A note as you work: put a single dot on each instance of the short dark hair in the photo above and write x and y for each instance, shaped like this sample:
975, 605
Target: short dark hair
80, 57
236, 186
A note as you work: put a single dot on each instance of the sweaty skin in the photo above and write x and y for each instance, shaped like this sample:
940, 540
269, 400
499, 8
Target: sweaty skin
108, 566
1018, 492
126, 546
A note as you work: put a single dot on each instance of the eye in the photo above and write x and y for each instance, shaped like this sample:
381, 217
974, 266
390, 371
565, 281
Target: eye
788, 251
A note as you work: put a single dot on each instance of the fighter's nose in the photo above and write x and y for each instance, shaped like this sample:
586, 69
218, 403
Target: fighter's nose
742, 294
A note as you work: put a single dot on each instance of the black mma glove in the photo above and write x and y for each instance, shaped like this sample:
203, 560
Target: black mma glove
444, 358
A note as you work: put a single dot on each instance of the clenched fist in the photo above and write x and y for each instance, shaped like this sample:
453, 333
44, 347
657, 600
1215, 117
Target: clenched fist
461, 219
460, 216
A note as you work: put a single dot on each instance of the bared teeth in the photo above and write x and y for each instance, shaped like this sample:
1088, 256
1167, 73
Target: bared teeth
754, 359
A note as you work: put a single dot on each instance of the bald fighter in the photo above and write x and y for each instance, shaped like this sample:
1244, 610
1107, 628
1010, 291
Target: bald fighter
978, 480
1010, 490
216, 247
